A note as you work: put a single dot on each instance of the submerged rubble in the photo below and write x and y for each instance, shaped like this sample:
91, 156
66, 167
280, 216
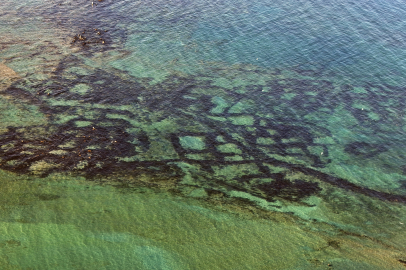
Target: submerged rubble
267, 140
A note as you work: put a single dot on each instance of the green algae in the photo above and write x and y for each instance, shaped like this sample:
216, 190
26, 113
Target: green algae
191, 142
220, 139
241, 107
289, 96
229, 148
243, 120
83, 123
78, 71
360, 90
221, 105
80, 89
374, 116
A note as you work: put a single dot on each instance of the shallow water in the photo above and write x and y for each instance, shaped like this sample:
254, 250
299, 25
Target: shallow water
202, 135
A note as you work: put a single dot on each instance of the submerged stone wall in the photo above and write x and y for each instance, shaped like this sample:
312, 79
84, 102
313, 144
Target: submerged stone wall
264, 133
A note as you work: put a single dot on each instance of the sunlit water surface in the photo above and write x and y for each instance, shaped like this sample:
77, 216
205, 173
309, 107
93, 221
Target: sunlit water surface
202, 134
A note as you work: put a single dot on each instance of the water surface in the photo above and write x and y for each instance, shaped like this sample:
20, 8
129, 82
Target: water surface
202, 135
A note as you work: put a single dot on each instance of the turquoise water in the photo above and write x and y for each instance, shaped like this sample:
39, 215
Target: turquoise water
202, 135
